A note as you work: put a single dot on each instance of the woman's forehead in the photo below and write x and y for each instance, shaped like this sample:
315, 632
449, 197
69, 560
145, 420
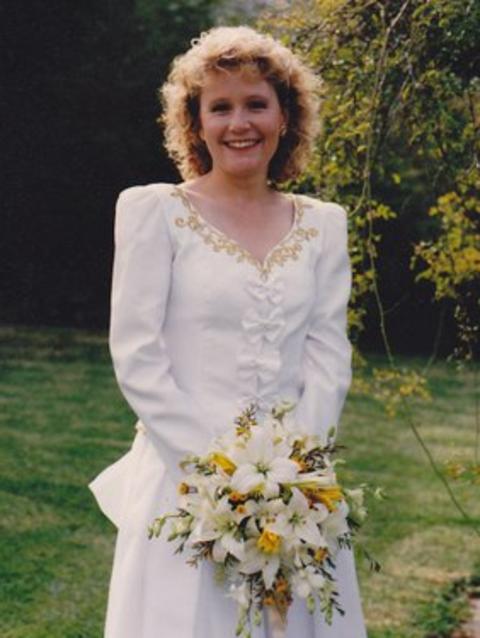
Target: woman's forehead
238, 81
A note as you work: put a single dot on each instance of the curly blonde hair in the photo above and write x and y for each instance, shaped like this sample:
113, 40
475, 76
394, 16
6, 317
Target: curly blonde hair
230, 49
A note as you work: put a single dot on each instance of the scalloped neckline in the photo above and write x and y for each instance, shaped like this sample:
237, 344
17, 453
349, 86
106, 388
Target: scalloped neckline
261, 264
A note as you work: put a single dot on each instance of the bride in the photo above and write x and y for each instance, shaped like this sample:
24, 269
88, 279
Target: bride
225, 292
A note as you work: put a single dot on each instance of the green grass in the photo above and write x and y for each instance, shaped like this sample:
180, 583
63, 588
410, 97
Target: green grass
62, 420
450, 608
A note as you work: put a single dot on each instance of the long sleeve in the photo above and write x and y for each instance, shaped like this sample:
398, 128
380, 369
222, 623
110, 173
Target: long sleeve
327, 354
140, 292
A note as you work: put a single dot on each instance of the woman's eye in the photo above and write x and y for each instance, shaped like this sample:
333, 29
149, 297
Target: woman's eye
254, 105
219, 107
258, 104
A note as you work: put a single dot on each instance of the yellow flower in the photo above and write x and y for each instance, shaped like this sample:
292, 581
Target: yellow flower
329, 496
183, 488
237, 497
281, 586
255, 491
228, 466
242, 430
300, 462
308, 486
321, 554
269, 542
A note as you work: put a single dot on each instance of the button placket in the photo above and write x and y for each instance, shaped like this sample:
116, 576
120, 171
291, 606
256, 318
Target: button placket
263, 323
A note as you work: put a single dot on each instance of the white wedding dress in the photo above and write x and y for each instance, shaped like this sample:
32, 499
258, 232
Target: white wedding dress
200, 329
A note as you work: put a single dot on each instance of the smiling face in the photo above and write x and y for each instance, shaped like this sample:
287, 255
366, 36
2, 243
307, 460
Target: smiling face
240, 123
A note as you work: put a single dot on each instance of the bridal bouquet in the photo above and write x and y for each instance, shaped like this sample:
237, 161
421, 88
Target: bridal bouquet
265, 506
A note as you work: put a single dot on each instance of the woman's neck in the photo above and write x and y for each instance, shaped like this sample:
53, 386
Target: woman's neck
236, 189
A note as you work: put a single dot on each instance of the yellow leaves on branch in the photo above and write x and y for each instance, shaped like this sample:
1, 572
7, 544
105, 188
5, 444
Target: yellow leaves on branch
363, 247
467, 472
453, 258
390, 387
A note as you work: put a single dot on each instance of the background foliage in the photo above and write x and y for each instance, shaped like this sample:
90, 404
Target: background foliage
78, 125
401, 131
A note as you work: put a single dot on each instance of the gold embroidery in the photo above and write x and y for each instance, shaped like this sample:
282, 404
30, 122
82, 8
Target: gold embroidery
288, 248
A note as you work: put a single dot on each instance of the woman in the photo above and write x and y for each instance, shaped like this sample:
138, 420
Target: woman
225, 292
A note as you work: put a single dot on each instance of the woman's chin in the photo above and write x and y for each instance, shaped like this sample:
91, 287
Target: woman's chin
246, 168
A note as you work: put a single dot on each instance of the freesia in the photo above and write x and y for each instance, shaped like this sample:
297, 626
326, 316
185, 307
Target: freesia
306, 581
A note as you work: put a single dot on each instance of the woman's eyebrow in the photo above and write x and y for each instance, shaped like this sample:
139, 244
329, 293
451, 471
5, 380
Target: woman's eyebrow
226, 98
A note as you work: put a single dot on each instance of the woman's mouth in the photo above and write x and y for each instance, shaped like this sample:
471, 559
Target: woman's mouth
240, 144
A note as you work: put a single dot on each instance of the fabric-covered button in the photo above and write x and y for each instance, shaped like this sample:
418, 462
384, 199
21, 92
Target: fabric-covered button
257, 326
271, 290
263, 323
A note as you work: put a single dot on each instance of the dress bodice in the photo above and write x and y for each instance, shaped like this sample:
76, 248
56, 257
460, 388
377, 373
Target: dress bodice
204, 318
244, 322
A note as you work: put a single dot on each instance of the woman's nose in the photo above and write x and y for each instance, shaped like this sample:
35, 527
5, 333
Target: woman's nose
239, 120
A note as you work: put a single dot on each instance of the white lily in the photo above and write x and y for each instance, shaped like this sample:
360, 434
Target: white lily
257, 560
265, 512
219, 523
203, 490
263, 464
335, 524
299, 522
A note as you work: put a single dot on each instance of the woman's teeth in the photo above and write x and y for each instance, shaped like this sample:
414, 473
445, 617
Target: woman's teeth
242, 144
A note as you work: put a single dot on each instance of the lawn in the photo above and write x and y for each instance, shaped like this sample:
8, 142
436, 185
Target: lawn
62, 420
